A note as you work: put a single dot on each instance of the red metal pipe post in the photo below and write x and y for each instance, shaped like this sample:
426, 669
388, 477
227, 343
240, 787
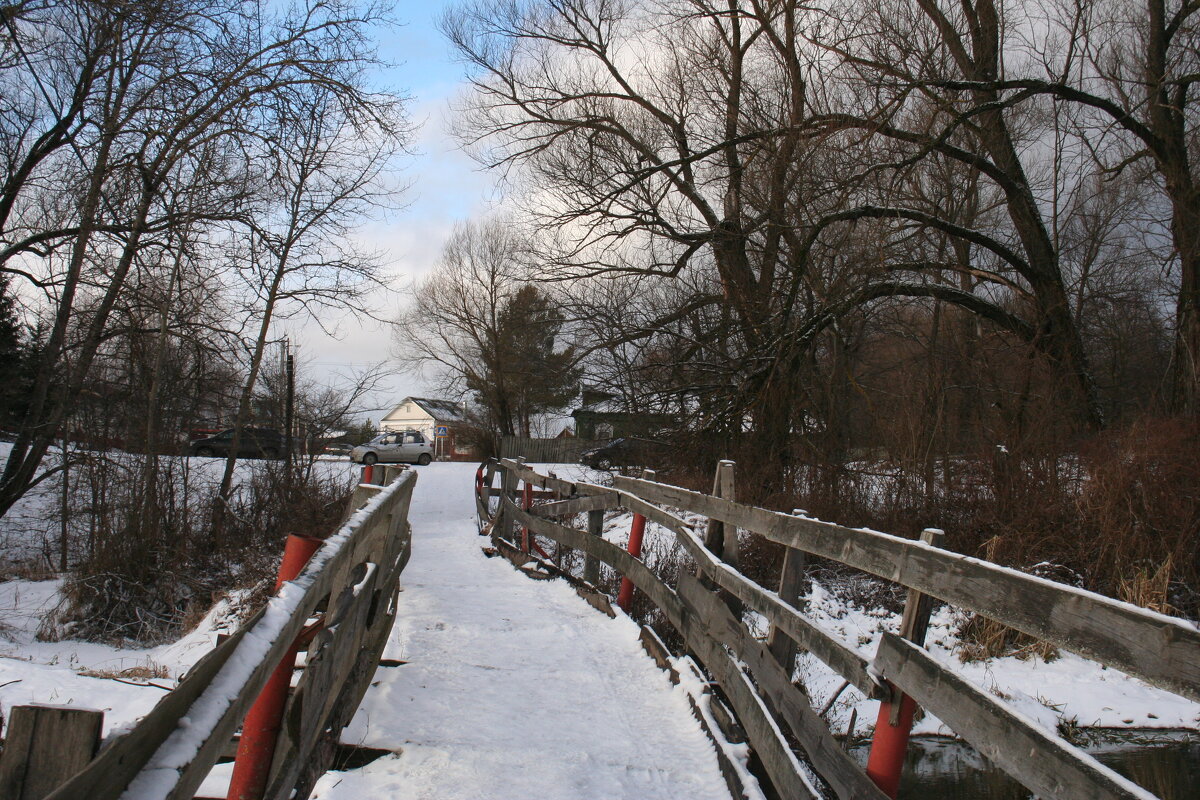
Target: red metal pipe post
368, 474
260, 730
885, 764
636, 532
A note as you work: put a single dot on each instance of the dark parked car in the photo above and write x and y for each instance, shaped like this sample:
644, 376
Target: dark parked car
626, 452
255, 443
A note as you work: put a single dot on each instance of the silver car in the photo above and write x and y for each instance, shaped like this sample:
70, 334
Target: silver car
409, 446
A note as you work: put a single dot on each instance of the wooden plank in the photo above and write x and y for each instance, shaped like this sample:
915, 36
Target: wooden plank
578, 505
702, 706
1032, 755
508, 484
333, 659
784, 769
785, 701
657, 650
634, 503
44, 746
482, 495
591, 564
1161, 650
642, 576
530, 475
838, 655
720, 537
791, 589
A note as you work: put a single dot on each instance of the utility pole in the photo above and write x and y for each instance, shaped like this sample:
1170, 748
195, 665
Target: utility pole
289, 414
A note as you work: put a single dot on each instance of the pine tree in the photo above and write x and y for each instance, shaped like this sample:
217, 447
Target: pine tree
541, 378
14, 358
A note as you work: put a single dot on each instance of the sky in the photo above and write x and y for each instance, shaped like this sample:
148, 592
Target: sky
445, 187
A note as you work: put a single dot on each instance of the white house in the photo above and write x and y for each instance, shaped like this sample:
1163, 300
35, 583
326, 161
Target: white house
427, 416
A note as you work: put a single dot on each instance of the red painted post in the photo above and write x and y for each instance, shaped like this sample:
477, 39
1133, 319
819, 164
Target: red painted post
636, 532
479, 482
885, 764
260, 730
526, 504
368, 474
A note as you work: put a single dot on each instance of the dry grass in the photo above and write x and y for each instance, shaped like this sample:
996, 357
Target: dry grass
154, 569
143, 672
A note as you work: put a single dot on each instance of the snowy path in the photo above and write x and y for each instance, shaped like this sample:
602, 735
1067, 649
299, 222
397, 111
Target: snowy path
514, 688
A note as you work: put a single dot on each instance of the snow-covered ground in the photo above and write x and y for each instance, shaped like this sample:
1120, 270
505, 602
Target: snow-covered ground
124, 683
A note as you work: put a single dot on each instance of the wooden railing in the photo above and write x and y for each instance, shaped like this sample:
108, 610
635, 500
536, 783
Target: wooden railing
346, 594
755, 678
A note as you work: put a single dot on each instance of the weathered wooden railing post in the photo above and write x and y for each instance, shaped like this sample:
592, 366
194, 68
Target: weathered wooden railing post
526, 504
720, 538
791, 589
591, 564
504, 519
885, 764
44, 747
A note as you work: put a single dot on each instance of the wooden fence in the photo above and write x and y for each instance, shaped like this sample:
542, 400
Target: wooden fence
347, 594
546, 451
755, 676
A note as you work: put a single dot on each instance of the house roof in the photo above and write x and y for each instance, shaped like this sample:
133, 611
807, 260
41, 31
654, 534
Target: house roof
440, 410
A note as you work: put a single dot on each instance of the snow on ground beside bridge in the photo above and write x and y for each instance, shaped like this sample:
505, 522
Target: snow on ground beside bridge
514, 688
1066, 692
125, 683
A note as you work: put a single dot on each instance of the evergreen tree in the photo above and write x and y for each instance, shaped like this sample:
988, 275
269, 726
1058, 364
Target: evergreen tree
541, 379
14, 357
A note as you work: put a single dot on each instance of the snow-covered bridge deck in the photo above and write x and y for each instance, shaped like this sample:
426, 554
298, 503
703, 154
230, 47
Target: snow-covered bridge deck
513, 688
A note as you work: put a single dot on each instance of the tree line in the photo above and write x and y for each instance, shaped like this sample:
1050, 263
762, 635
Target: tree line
175, 178
961, 240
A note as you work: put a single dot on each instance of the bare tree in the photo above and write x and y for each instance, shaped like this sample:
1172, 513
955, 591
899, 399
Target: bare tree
477, 325
328, 152
120, 104
1129, 72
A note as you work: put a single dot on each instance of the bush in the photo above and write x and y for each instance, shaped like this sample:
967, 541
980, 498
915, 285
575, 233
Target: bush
157, 559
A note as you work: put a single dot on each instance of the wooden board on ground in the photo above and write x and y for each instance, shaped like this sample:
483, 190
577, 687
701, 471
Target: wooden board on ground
44, 746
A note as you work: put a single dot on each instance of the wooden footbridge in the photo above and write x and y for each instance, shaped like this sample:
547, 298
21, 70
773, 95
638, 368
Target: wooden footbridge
340, 608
